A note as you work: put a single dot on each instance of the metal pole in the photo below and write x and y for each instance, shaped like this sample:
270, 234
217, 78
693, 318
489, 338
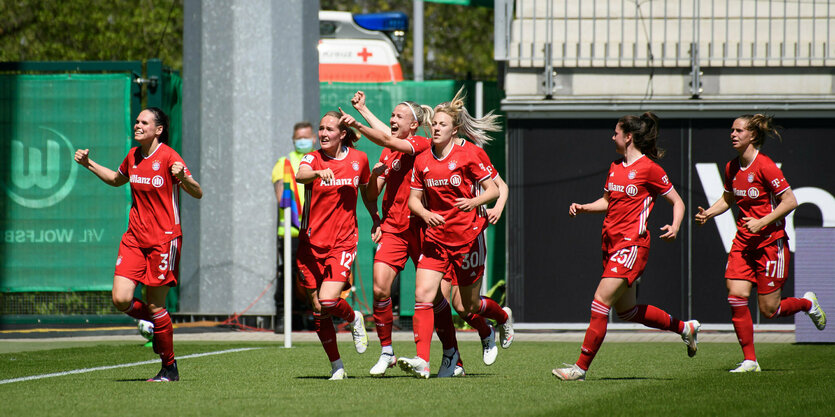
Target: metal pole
417, 16
288, 279
479, 112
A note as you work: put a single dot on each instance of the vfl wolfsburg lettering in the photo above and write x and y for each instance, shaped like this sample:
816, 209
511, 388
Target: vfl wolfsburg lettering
36, 174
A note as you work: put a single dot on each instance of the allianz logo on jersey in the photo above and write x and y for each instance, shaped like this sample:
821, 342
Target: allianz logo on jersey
630, 190
41, 168
340, 181
157, 181
454, 180
752, 192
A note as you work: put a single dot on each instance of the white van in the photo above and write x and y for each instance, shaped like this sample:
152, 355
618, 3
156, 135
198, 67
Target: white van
362, 47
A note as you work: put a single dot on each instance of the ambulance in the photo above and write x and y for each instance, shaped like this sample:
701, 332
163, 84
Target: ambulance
361, 47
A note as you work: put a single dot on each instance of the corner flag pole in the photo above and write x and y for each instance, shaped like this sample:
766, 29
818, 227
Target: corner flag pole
288, 280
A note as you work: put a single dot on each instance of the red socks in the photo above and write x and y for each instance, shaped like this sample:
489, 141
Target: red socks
324, 324
594, 334
743, 325
138, 310
422, 323
790, 306
477, 322
654, 317
492, 310
327, 335
339, 308
164, 337
383, 319
444, 326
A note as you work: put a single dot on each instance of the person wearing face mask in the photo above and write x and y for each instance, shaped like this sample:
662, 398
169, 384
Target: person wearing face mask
303, 142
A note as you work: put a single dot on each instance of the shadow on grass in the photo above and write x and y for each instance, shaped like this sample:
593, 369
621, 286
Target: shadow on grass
133, 380
632, 378
396, 376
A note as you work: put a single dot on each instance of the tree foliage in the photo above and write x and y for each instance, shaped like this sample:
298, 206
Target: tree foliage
113, 30
458, 40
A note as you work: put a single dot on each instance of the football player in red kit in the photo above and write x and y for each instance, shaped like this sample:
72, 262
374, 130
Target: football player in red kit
447, 178
633, 184
334, 176
402, 233
150, 249
760, 251
493, 214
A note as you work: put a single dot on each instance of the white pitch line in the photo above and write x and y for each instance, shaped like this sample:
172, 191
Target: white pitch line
124, 365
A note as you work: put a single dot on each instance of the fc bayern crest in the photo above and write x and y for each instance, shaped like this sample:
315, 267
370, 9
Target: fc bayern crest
155, 166
452, 165
750, 177
355, 165
632, 174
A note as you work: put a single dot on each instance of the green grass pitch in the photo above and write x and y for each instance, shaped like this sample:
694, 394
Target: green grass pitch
626, 379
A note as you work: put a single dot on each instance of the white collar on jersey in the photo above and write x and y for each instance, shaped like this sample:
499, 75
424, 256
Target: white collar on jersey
626, 165
743, 168
454, 144
159, 145
343, 149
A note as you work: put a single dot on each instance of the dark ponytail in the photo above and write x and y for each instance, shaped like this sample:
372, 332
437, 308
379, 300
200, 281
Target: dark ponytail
160, 119
644, 131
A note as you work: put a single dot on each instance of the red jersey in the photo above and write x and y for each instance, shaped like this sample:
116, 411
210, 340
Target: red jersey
756, 188
330, 208
632, 191
398, 175
482, 156
154, 217
443, 180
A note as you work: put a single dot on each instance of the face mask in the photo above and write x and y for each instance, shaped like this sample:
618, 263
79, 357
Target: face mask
303, 145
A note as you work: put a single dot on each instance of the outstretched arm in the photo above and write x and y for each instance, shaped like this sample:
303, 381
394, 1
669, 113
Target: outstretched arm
720, 206
377, 136
598, 206
109, 176
359, 104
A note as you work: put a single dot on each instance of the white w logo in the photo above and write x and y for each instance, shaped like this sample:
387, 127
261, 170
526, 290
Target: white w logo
36, 175
43, 173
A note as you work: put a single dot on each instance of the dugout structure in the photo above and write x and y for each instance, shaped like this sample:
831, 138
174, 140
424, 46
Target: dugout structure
60, 226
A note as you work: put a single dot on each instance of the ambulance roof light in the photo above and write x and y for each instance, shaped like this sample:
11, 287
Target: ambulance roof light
386, 21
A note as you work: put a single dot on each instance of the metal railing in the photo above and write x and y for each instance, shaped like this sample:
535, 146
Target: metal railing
664, 33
